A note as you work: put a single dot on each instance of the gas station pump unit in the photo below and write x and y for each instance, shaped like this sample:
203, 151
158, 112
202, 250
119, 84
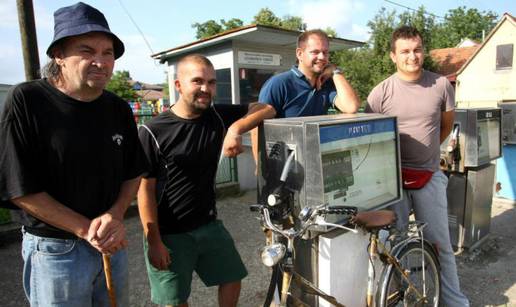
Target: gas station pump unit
345, 159
466, 157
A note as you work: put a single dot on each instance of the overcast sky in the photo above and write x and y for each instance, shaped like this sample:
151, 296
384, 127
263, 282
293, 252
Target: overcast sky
167, 24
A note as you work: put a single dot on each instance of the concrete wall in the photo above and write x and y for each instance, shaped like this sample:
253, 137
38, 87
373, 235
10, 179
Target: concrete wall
480, 84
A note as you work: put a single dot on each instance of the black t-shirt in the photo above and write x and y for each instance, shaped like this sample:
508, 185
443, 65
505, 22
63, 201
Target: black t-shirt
78, 152
191, 150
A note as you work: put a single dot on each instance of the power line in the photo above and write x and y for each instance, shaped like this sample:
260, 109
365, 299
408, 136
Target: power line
412, 9
136, 26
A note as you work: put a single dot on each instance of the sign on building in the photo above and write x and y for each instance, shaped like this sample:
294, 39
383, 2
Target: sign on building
258, 58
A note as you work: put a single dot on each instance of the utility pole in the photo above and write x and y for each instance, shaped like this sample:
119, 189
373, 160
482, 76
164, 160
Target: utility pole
28, 39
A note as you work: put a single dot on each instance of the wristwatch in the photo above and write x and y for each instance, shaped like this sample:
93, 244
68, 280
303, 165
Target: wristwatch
337, 70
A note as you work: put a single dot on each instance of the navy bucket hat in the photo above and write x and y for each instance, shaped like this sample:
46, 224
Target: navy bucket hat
80, 19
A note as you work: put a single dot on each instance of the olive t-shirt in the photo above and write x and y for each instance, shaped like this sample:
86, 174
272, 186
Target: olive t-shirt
418, 106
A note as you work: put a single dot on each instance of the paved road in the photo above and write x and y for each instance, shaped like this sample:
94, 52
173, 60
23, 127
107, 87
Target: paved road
488, 276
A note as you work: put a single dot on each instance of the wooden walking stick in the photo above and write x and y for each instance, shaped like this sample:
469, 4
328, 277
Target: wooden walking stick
109, 279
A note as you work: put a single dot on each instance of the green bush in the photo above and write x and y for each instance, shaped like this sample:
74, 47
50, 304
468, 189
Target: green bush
5, 216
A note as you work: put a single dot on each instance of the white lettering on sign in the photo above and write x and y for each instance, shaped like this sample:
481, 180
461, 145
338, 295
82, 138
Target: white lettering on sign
362, 129
258, 58
489, 114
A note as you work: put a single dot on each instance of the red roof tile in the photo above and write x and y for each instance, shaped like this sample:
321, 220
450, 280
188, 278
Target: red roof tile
450, 60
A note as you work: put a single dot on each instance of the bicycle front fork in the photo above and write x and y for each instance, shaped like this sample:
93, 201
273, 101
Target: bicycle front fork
285, 287
373, 255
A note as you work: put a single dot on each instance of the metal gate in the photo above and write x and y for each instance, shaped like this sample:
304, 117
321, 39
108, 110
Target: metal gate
227, 171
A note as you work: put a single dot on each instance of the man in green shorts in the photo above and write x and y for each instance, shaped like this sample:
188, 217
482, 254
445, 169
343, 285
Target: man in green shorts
177, 196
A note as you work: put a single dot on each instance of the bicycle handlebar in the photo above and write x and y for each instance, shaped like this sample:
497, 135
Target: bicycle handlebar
309, 221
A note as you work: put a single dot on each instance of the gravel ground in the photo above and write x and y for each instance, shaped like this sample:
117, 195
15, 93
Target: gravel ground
488, 274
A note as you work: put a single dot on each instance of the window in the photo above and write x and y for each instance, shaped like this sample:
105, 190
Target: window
251, 81
223, 95
504, 55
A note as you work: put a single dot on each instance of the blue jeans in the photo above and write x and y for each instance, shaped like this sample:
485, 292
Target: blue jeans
431, 206
60, 272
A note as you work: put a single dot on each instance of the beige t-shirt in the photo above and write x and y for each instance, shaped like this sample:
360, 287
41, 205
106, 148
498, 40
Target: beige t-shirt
418, 106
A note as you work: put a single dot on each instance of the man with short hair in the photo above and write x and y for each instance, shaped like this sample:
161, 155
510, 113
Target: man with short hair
311, 87
424, 104
177, 196
71, 160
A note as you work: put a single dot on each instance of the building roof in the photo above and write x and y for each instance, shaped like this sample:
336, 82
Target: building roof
506, 17
257, 34
145, 86
467, 43
450, 60
152, 95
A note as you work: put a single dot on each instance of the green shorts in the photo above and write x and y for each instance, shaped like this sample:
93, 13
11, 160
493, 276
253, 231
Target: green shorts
208, 250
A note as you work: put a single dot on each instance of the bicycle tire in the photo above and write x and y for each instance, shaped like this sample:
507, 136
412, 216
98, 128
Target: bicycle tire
393, 290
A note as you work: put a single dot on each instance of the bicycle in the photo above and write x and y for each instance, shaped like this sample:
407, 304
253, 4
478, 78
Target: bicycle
410, 276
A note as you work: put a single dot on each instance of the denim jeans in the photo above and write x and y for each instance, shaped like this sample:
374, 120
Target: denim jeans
60, 272
430, 206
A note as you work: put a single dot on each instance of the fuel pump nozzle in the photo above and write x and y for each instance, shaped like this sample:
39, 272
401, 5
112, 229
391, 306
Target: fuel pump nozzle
280, 201
452, 154
280, 193
452, 143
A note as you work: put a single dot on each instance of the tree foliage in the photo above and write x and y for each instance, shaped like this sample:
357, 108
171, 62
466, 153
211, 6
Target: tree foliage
119, 84
212, 27
267, 18
264, 17
462, 23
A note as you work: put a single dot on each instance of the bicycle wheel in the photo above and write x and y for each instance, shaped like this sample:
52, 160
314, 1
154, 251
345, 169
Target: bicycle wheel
425, 281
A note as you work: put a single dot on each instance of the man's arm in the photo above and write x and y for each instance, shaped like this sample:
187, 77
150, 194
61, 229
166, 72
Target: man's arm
256, 113
347, 100
254, 144
446, 124
44, 207
147, 206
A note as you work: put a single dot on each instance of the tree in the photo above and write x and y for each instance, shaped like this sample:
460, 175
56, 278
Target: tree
264, 17
212, 27
462, 23
119, 84
294, 23
267, 18
206, 29
331, 32
232, 23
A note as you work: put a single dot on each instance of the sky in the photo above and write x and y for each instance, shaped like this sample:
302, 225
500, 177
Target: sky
167, 24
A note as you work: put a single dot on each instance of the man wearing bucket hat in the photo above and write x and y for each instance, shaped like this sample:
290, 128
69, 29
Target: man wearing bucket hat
71, 160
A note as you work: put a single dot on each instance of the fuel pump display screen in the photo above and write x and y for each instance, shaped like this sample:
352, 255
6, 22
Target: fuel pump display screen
337, 170
359, 163
488, 134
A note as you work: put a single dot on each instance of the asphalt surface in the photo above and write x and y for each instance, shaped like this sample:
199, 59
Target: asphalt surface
488, 274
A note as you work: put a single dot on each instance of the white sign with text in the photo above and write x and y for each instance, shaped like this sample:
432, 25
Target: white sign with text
258, 58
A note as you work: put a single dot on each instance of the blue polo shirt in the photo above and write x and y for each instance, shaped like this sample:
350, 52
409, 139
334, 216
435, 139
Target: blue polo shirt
291, 95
